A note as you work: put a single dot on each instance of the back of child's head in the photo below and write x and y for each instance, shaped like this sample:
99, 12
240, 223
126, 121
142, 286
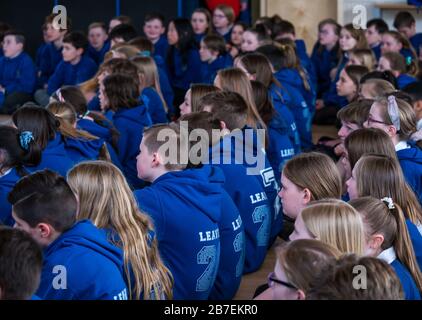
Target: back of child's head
119, 65
380, 176
414, 90
125, 51
144, 45
199, 90
74, 96
336, 223
273, 54
21, 264
283, 29
267, 23
44, 197
42, 124
316, 172
337, 282
357, 34
364, 57
154, 16
374, 88
260, 33
302, 261
381, 75
173, 161
404, 19
384, 217
123, 19
227, 106
18, 35
126, 32
380, 25
258, 65
215, 43
203, 120
147, 70
397, 61
263, 103
77, 40
4, 27
18, 149
122, 91
356, 112
51, 19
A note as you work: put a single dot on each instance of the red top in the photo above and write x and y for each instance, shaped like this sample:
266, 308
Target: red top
235, 4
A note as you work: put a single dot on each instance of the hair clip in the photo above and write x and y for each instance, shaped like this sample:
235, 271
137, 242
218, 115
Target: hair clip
389, 202
145, 53
25, 139
393, 112
409, 61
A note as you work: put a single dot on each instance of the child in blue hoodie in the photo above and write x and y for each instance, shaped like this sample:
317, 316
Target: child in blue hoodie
79, 262
119, 94
250, 179
154, 29
18, 150
396, 63
17, 73
183, 60
43, 127
375, 28
179, 195
232, 234
99, 44
405, 23
76, 66
214, 57
22, 261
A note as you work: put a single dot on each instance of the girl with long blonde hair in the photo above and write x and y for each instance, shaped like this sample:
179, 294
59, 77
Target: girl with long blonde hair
106, 199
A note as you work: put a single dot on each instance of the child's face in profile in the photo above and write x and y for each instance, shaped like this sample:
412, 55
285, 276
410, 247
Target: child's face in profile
53, 34
384, 64
11, 48
144, 162
186, 107
103, 98
70, 53
153, 29
97, 37
372, 36
345, 85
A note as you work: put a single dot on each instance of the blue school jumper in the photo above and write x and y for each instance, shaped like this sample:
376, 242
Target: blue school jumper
199, 37
280, 148
410, 289
411, 163
236, 155
331, 98
161, 46
94, 104
92, 267
232, 238
49, 60
416, 42
182, 76
404, 79
186, 210
98, 56
17, 74
131, 123
39, 54
68, 74
323, 63
7, 182
165, 85
54, 157
298, 107
83, 149
308, 66
154, 105
377, 51
209, 70
281, 99
416, 238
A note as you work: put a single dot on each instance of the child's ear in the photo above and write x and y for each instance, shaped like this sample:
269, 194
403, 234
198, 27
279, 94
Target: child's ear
45, 230
156, 160
395, 73
300, 295
392, 131
80, 51
376, 241
418, 106
307, 195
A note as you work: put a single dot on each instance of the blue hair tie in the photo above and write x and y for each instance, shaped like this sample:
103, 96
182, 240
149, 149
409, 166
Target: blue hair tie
409, 61
145, 53
25, 138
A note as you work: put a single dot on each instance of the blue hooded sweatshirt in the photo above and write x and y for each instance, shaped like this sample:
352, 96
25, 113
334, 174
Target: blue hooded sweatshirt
232, 238
307, 64
404, 79
87, 265
280, 148
165, 85
7, 182
39, 54
161, 46
416, 42
281, 99
182, 75
186, 210
155, 105
83, 149
54, 157
50, 57
323, 62
331, 98
98, 56
416, 238
130, 123
209, 70
411, 163
298, 105
94, 104
377, 51
68, 74
17, 74
254, 193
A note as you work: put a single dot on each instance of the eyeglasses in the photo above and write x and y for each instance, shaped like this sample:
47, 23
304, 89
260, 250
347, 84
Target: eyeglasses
372, 120
219, 16
272, 279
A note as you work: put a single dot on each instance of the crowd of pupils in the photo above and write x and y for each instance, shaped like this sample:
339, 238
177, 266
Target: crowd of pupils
85, 183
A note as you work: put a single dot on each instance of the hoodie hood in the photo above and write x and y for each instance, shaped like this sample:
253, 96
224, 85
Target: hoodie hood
138, 116
290, 76
95, 129
203, 196
279, 124
414, 153
81, 150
